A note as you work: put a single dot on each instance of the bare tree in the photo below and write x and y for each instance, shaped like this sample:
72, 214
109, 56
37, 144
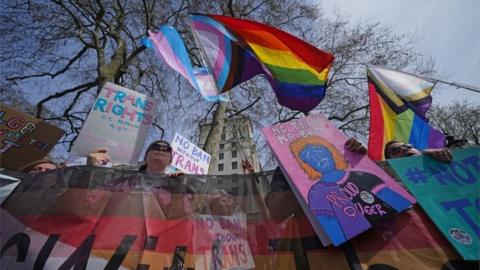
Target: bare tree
59, 54
460, 120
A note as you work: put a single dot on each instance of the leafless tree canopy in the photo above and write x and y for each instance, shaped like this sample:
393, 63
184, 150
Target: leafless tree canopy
59, 53
460, 120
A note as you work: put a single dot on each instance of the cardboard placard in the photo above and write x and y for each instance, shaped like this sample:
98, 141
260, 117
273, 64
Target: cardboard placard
449, 193
188, 157
343, 193
24, 139
119, 121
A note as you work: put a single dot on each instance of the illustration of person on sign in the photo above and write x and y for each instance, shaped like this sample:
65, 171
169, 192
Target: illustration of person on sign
345, 202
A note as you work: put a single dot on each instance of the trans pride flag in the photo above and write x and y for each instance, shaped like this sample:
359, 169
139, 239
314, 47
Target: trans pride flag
296, 70
398, 103
170, 47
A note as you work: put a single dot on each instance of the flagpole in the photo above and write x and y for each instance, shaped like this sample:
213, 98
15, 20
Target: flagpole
458, 85
464, 86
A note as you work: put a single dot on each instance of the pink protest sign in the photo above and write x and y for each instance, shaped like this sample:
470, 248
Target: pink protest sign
119, 121
342, 193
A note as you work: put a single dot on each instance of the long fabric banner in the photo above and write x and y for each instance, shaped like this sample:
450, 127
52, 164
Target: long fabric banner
449, 193
99, 218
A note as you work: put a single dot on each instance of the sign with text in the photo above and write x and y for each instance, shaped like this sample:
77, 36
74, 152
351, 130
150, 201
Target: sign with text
449, 193
24, 139
343, 193
189, 158
119, 121
223, 241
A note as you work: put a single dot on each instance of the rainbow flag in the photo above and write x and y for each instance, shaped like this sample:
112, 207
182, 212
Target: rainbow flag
296, 70
170, 47
398, 103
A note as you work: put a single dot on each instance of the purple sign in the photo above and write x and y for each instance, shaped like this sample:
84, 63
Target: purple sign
342, 193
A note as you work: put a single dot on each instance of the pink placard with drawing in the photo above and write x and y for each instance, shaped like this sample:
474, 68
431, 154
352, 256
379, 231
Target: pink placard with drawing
343, 193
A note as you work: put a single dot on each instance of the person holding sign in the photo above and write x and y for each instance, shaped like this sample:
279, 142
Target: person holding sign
98, 157
41, 165
157, 157
396, 149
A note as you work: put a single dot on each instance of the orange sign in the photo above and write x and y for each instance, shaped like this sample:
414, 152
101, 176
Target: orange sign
23, 138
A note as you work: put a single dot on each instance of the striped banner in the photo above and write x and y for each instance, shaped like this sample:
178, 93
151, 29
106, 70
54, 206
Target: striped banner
97, 218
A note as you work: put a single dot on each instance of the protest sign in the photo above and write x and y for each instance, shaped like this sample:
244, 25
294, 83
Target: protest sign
230, 249
449, 193
122, 219
24, 139
343, 193
119, 121
187, 157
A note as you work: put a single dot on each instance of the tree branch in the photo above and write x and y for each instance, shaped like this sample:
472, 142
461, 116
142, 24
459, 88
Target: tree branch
245, 108
341, 119
61, 94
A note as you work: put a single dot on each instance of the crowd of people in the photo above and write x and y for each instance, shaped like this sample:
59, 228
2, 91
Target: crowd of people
158, 156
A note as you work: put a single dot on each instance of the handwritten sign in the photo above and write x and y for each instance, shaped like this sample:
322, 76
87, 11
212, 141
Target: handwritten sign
223, 241
449, 193
189, 158
119, 121
24, 138
342, 193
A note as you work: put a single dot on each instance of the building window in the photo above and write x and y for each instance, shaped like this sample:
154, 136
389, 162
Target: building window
235, 191
234, 144
220, 182
220, 156
221, 146
234, 165
224, 137
235, 180
220, 167
234, 153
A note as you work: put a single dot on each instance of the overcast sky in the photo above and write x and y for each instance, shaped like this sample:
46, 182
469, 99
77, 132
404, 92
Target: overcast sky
449, 32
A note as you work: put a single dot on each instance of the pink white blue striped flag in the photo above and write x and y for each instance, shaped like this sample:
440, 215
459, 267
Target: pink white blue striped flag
170, 47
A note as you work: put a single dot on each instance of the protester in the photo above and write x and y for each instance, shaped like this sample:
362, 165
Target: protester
98, 157
396, 149
220, 203
157, 157
41, 165
174, 198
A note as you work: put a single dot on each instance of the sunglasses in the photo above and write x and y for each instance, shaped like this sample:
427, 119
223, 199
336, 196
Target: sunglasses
160, 147
397, 149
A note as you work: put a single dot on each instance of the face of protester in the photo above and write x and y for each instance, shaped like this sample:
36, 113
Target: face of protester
158, 156
43, 167
222, 206
399, 149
